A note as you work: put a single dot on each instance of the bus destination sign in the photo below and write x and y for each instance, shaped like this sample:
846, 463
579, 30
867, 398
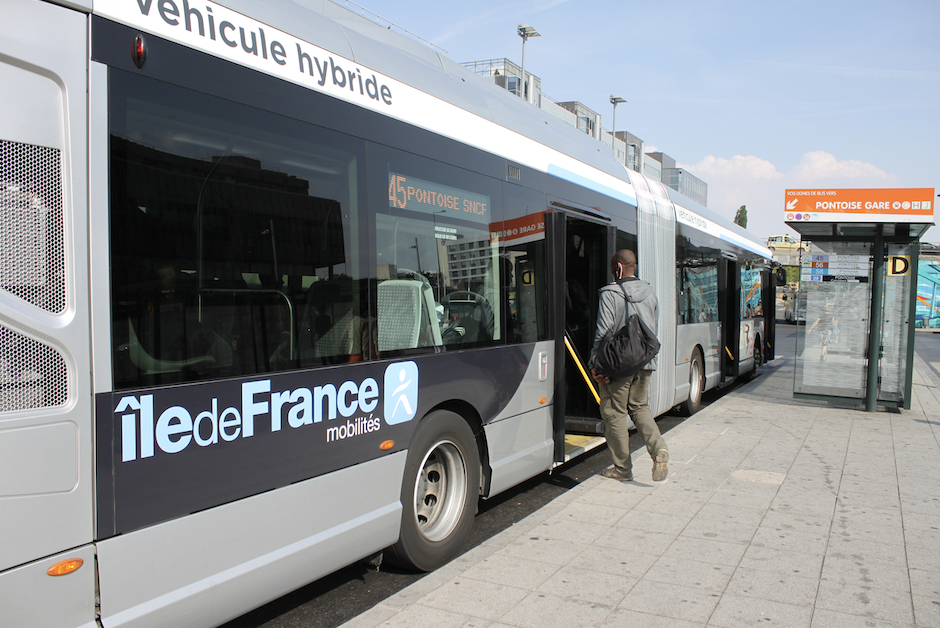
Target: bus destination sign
414, 194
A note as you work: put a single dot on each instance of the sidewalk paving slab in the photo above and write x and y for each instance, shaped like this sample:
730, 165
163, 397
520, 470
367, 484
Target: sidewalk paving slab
776, 512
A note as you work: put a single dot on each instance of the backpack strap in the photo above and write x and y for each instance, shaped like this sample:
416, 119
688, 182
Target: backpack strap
626, 302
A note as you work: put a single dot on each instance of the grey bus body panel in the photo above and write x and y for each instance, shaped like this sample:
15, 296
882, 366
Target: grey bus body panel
688, 337
31, 598
656, 231
99, 249
249, 552
45, 401
520, 448
519, 440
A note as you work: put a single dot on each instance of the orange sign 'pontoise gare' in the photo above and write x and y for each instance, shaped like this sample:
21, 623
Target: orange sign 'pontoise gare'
860, 205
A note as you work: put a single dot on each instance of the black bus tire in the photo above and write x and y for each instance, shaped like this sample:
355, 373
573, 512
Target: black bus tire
696, 385
758, 358
439, 492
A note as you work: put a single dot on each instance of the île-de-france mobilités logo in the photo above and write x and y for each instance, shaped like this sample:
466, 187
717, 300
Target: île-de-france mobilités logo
401, 392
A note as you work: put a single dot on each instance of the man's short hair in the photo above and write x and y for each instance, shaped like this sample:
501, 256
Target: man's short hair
625, 257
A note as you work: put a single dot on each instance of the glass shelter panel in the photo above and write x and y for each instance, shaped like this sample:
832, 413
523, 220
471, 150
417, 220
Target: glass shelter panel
831, 346
895, 320
928, 293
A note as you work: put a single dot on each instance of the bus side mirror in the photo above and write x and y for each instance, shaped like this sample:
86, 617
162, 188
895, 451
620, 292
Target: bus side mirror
780, 274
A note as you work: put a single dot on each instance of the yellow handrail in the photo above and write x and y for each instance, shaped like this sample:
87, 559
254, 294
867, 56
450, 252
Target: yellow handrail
587, 378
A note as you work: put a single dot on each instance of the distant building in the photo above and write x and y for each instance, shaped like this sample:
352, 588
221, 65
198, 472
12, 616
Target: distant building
682, 181
627, 148
467, 261
508, 75
634, 150
588, 120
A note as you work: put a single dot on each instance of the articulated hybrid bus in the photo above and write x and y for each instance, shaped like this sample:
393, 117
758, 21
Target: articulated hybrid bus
281, 289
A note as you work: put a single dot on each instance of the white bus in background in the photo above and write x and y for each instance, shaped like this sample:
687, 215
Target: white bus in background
281, 289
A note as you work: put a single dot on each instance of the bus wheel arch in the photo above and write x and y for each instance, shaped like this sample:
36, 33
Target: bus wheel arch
696, 384
440, 490
469, 414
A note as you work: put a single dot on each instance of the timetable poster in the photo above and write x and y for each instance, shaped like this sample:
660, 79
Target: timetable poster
832, 343
838, 268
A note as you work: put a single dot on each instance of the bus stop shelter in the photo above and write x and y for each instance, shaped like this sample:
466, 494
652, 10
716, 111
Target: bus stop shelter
859, 280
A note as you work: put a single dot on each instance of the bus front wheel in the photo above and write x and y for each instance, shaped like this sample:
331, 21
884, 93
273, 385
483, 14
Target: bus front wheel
439, 492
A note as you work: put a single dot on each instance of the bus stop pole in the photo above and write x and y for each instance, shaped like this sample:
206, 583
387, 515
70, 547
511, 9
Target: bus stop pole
874, 329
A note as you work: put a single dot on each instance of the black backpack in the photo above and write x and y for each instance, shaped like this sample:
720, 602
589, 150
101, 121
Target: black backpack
625, 352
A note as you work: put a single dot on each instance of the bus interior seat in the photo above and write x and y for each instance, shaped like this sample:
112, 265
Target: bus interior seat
471, 312
150, 365
406, 315
399, 314
328, 322
321, 325
340, 339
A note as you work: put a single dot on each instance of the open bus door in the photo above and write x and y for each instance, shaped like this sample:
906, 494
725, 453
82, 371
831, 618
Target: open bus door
729, 306
581, 264
771, 277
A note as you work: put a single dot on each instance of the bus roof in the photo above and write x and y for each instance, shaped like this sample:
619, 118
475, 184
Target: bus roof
342, 32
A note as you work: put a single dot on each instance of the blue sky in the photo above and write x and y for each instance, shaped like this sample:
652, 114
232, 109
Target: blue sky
751, 97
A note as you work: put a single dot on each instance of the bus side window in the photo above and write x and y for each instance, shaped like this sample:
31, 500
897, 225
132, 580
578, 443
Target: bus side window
696, 284
215, 244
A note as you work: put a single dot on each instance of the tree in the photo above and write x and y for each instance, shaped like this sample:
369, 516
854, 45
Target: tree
740, 218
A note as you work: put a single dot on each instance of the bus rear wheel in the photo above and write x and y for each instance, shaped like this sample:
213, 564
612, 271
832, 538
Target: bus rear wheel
439, 492
758, 358
696, 386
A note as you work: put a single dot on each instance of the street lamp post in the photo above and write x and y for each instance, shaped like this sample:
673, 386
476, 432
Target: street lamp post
614, 100
525, 31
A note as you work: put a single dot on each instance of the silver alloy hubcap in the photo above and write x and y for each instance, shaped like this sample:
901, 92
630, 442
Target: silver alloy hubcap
439, 491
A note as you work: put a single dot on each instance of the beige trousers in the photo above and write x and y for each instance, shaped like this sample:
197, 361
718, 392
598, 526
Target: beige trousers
620, 398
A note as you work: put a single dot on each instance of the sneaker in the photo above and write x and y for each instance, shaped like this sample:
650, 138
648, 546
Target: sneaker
617, 474
661, 465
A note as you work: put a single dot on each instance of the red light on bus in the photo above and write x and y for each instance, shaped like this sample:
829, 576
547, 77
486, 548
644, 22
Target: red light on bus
65, 567
543, 400
386, 445
139, 54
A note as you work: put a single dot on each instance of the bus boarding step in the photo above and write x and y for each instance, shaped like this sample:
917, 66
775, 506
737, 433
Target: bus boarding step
584, 425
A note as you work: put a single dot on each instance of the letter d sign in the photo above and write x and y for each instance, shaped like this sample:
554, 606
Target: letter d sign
899, 265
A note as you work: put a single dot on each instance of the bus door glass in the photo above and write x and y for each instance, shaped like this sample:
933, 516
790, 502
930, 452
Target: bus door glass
729, 295
751, 311
587, 269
